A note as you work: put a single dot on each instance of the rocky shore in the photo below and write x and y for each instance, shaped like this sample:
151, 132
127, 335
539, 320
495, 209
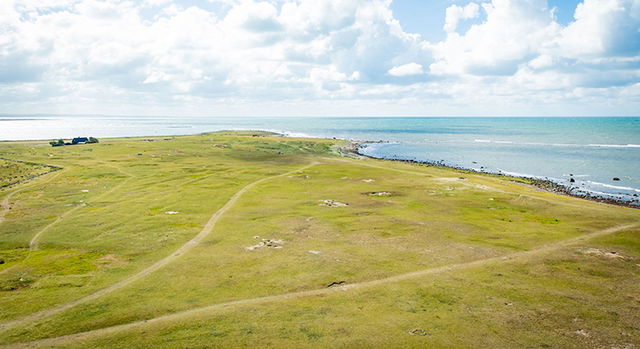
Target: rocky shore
353, 149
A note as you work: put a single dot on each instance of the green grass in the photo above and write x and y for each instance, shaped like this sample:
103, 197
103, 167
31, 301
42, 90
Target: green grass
114, 198
15, 172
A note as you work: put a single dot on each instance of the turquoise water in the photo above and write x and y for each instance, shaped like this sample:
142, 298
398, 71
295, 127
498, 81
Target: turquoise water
592, 150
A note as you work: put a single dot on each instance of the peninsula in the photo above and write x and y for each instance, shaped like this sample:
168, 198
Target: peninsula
250, 239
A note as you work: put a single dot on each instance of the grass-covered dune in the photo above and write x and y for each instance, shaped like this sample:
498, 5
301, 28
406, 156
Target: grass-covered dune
247, 239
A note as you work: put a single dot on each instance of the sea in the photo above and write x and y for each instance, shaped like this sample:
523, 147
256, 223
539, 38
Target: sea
594, 156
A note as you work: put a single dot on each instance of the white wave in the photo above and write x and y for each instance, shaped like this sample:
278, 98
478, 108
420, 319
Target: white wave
618, 196
297, 134
614, 145
592, 145
555, 144
575, 175
599, 193
613, 186
518, 174
292, 134
373, 143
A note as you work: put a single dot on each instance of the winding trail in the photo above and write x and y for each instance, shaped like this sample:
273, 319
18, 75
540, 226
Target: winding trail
5, 204
157, 265
33, 244
327, 291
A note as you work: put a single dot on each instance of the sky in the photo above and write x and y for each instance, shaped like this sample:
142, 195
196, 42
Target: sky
320, 57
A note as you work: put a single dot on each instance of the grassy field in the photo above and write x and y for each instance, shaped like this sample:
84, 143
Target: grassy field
246, 239
15, 172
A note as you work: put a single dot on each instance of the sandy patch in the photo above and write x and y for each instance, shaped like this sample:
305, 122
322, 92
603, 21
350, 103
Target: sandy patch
332, 203
379, 193
109, 260
449, 179
601, 253
277, 244
583, 333
300, 176
483, 187
418, 332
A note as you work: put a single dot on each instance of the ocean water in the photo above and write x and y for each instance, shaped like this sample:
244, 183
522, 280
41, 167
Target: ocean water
593, 151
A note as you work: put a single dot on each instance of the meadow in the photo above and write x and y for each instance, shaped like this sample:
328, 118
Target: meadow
249, 239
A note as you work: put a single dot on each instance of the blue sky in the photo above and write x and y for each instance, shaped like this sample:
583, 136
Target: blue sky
320, 57
425, 17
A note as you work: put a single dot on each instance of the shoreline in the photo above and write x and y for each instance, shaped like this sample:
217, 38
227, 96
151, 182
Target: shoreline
352, 149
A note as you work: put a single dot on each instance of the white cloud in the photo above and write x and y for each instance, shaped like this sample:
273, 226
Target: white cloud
602, 27
106, 56
455, 13
406, 70
512, 32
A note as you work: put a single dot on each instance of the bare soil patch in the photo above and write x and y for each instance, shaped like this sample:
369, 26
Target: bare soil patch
332, 203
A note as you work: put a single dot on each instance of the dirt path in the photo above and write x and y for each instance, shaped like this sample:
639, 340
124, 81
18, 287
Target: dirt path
5, 204
157, 265
33, 244
327, 291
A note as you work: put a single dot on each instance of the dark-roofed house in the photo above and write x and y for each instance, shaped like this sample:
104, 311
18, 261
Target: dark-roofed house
77, 140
